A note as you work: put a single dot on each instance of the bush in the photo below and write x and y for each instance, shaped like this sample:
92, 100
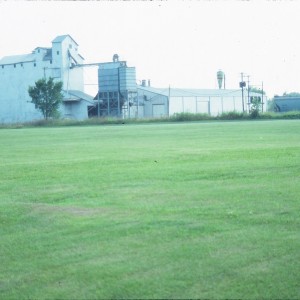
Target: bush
232, 115
182, 117
290, 115
254, 114
178, 117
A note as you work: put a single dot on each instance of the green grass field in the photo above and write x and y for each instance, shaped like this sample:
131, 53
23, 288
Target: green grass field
190, 210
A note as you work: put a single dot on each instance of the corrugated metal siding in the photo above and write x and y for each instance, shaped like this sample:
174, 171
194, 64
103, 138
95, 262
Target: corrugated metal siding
285, 104
108, 79
127, 78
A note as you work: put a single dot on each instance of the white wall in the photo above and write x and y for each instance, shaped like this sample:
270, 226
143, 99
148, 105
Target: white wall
15, 103
213, 105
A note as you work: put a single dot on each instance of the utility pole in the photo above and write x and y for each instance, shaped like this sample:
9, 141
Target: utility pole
169, 101
98, 98
248, 94
262, 97
138, 102
242, 85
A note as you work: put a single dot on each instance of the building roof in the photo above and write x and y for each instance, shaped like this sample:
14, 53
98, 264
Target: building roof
76, 96
14, 59
180, 92
60, 38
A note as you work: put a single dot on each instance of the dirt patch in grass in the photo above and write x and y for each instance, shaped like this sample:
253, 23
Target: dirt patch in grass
71, 210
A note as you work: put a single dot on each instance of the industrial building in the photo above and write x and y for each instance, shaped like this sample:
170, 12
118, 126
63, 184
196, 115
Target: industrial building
18, 72
286, 103
158, 102
118, 93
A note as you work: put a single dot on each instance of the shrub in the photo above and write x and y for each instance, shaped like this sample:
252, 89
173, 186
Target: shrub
186, 116
254, 114
290, 115
232, 115
178, 117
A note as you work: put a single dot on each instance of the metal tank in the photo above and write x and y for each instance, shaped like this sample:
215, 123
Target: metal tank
117, 88
127, 79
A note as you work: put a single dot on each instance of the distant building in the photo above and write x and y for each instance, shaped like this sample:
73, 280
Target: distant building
18, 72
285, 103
160, 102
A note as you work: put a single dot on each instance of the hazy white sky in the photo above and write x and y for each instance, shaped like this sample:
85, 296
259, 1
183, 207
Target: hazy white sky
176, 43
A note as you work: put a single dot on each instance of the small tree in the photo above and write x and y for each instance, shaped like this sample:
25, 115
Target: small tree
255, 107
292, 94
256, 90
47, 96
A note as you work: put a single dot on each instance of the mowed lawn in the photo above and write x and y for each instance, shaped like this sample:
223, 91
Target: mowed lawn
190, 210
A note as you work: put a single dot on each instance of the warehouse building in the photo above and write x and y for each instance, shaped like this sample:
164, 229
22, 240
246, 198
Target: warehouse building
161, 102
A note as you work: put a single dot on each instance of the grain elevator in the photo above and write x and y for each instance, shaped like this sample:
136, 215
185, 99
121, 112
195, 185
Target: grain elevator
117, 88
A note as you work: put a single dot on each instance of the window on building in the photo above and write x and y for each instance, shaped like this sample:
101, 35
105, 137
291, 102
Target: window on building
57, 52
21, 65
2, 67
14, 65
34, 64
70, 46
50, 61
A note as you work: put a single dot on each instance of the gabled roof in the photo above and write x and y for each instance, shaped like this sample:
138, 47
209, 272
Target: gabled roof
14, 59
44, 48
180, 92
60, 38
76, 96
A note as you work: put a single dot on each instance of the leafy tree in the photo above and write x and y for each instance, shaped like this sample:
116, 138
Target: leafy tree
292, 94
255, 107
256, 90
47, 96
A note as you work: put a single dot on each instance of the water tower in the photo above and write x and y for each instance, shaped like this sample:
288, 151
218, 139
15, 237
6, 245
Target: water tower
221, 77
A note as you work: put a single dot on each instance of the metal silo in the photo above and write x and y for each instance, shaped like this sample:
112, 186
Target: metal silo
117, 88
127, 79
